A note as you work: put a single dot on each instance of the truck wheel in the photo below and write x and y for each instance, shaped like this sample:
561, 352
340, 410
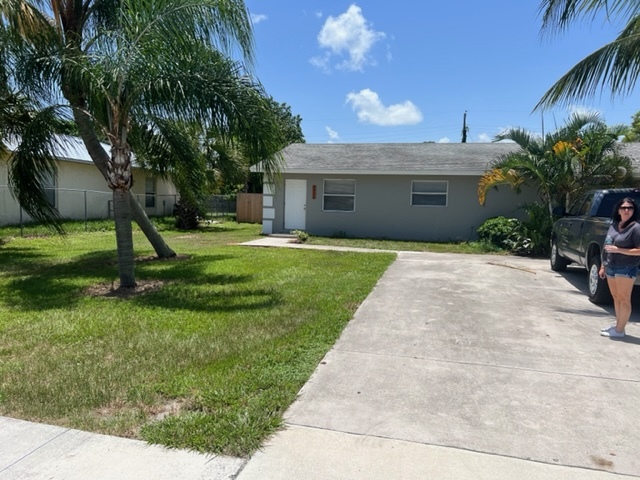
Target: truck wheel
598, 287
558, 262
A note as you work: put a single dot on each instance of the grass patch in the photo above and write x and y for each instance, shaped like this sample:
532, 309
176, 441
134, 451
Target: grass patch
401, 245
209, 359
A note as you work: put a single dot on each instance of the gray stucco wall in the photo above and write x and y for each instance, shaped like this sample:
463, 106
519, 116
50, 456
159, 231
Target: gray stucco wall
383, 208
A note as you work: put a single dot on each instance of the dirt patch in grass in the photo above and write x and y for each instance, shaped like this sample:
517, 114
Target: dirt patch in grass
153, 412
142, 286
153, 258
111, 291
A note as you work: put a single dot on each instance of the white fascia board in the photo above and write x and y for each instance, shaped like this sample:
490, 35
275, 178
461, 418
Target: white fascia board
385, 172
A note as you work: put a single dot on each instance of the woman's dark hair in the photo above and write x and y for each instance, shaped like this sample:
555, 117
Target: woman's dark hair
615, 215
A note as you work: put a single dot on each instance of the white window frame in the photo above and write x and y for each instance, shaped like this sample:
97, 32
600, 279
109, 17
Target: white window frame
434, 193
350, 195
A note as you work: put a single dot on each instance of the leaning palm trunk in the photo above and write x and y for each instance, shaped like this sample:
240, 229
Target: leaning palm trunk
101, 160
155, 239
120, 180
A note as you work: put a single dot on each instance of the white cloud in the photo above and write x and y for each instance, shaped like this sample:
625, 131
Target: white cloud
321, 62
318, 14
484, 138
333, 135
349, 34
370, 109
256, 18
444, 140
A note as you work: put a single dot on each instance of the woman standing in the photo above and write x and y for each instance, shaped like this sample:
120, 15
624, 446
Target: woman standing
622, 250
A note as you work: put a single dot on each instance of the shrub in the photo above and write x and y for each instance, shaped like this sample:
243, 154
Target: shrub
301, 234
530, 237
187, 215
500, 231
536, 231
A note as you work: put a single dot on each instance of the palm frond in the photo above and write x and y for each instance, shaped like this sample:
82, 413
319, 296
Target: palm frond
33, 163
614, 67
557, 15
520, 136
497, 177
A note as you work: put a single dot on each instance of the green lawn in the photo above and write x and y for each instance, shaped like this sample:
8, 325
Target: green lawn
208, 358
401, 245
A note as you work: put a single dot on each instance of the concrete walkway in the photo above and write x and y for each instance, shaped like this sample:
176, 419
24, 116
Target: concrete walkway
43, 452
455, 367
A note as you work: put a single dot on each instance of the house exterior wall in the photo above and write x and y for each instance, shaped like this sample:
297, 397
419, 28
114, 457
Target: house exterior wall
383, 208
82, 192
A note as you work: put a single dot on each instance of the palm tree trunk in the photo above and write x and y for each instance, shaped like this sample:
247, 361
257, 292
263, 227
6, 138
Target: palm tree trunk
120, 180
124, 238
155, 239
101, 159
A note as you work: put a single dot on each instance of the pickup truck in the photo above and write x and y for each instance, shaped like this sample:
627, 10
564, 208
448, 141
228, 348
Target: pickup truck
577, 237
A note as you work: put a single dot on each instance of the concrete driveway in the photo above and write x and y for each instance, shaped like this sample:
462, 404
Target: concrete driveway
467, 367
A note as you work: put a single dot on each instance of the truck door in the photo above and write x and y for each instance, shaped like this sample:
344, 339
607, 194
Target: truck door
578, 215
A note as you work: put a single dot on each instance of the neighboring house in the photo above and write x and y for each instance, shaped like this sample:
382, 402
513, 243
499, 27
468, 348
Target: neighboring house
418, 191
79, 190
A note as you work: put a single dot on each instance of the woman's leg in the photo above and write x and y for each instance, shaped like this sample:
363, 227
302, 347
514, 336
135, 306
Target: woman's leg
621, 288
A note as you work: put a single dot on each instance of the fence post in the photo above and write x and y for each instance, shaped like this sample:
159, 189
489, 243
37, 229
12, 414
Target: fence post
21, 226
86, 226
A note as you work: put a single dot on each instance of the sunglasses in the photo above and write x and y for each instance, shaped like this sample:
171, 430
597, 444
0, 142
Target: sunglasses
626, 208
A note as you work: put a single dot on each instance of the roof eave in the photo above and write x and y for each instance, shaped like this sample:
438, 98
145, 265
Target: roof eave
476, 173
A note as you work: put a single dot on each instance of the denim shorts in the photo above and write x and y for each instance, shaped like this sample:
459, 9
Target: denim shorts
613, 271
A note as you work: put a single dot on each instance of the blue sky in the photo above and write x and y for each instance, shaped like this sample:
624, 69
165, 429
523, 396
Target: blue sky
406, 71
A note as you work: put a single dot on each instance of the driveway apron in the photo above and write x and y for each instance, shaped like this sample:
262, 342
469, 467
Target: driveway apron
467, 367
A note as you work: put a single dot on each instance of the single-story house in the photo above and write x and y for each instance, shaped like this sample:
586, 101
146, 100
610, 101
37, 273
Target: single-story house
79, 190
417, 191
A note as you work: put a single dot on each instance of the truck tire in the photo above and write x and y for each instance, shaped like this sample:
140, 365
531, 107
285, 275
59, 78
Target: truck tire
598, 287
558, 262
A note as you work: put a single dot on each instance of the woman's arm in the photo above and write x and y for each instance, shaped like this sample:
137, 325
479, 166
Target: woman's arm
634, 252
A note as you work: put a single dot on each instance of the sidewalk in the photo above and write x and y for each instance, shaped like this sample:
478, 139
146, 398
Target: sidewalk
37, 452
289, 241
461, 367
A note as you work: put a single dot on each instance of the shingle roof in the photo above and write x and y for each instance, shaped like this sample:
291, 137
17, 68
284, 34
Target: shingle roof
404, 158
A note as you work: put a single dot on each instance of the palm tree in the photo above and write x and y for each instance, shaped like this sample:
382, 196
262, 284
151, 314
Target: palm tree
120, 63
581, 155
34, 129
615, 65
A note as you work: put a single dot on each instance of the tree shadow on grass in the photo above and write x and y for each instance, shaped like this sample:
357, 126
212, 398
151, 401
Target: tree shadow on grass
206, 299
42, 284
15, 261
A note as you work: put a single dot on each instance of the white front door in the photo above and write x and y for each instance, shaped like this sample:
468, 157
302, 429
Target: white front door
295, 204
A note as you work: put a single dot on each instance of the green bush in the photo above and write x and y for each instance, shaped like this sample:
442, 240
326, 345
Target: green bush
301, 234
536, 231
530, 237
500, 231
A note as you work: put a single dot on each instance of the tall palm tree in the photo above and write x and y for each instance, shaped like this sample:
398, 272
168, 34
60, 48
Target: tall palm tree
615, 66
581, 155
120, 62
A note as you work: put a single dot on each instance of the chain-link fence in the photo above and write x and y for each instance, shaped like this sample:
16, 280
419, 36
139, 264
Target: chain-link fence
221, 206
85, 205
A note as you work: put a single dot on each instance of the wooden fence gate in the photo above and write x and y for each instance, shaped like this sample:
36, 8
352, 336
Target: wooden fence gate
249, 208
